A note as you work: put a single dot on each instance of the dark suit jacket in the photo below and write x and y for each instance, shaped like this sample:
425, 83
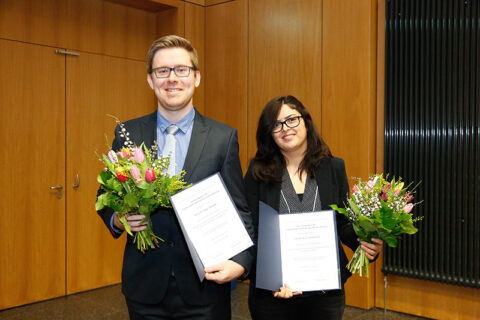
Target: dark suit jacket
213, 148
333, 189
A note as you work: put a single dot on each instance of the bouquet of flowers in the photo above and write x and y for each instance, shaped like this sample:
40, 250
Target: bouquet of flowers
380, 209
134, 182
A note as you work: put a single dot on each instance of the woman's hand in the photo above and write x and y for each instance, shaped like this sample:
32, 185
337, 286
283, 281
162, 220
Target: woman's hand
372, 249
285, 292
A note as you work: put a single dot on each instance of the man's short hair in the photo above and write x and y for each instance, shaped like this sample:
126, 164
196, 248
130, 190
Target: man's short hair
171, 41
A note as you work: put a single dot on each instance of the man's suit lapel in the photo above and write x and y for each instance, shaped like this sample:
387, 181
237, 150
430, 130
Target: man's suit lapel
197, 143
149, 130
324, 182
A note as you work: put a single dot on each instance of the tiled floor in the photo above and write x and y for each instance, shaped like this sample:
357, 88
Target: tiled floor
108, 303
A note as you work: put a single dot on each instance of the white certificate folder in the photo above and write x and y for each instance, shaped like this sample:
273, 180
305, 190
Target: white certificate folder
210, 223
298, 249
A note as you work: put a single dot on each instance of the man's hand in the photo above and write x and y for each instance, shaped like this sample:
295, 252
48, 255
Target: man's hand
223, 272
134, 221
285, 292
372, 249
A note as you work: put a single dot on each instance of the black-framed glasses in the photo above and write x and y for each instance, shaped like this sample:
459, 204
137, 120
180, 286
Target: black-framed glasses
291, 122
164, 72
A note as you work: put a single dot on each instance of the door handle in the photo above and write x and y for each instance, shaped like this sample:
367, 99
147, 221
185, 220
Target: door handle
59, 188
77, 183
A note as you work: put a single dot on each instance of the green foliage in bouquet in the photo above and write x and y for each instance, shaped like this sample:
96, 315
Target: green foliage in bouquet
380, 209
135, 182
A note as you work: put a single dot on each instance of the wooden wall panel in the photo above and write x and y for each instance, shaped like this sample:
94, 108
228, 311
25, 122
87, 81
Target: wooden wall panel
94, 257
195, 32
32, 131
431, 299
171, 21
215, 2
85, 25
226, 67
285, 57
198, 2
349, 100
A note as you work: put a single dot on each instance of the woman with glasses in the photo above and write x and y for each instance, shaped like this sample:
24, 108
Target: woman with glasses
294, 171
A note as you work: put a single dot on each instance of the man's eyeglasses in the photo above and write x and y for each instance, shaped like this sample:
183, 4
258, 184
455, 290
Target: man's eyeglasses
164, 72
290, 123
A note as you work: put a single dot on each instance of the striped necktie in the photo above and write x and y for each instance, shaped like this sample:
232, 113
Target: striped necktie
169, 148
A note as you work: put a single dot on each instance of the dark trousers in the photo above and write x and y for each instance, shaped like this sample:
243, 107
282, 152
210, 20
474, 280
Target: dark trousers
173, 307
329, 305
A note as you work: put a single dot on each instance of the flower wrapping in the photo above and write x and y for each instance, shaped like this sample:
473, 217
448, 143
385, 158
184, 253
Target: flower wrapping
378, 208
135, 181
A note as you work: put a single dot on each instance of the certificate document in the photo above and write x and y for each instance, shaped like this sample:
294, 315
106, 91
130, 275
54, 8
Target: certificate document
298, 249
210, 223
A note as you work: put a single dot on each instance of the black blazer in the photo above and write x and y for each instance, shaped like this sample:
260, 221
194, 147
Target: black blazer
333, 189
213, 148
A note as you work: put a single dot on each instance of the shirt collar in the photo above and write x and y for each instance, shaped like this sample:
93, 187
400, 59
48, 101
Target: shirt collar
183, 124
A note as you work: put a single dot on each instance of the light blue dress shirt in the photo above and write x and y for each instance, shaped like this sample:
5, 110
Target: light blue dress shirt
182, 137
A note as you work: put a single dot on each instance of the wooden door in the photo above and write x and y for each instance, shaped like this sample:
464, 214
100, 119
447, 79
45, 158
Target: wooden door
96, 86
32, 135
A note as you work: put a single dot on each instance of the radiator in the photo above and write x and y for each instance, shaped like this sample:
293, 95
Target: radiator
432, 134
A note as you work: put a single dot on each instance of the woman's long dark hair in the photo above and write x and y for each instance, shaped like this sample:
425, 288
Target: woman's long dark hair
269, 163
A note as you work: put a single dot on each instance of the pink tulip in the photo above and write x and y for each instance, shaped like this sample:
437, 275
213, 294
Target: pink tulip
386, 188
135, 173
408, 197
397, 192
138, 155
150, 175
112, 156
383, 196
124, 153
354, 189
408, 208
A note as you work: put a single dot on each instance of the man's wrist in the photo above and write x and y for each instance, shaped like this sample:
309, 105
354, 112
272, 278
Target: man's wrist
113, 226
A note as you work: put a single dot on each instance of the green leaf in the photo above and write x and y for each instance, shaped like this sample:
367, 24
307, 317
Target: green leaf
123, 220
148, 158
131, 200
116, 185
407, 227
366, 224
99, 203
339, 210
354, 206
386, 218
109, 164
144, 185
391, 241
359, 231
103, 177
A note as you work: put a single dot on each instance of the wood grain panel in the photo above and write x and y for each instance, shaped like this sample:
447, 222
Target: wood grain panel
195, 33
199, 2
85, 25
149, 5
96, 86
226, 68
349, 101
432, 299
214, 2
171, 21
32, 131
285, 57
